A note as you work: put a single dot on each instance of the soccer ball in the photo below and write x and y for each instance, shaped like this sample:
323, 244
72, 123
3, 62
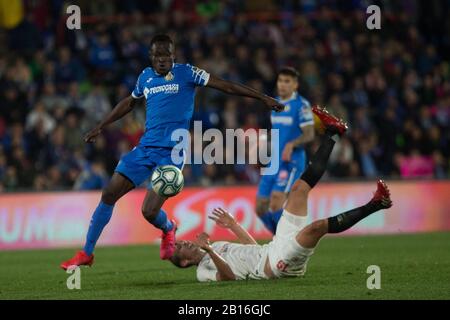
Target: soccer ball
167, 181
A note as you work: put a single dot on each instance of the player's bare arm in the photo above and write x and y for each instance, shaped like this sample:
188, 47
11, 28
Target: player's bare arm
224, 272
243, 90
306, 137
121, 109
225, 220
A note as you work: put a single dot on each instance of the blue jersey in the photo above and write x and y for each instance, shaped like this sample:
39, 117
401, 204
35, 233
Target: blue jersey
296, 114
289, 122
169, 101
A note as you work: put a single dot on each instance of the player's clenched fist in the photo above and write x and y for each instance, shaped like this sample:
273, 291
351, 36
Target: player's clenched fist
273, 104
91, 135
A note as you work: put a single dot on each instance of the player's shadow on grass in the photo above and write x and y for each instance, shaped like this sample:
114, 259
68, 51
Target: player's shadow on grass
117, 272
167, 284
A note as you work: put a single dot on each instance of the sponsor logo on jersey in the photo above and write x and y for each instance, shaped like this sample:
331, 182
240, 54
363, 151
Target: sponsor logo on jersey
282, 266
283, 175
287, 120
166, 88
169, 76
225, 248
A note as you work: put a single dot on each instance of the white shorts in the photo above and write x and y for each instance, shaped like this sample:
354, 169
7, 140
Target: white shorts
287, 257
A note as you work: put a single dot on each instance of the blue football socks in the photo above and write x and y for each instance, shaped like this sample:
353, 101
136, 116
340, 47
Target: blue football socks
161, 222
100, 219
270, 219
276, 216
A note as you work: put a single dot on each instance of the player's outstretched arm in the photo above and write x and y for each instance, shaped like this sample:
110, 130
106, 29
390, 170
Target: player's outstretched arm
242, 90
225, 220
122, 108
224, 272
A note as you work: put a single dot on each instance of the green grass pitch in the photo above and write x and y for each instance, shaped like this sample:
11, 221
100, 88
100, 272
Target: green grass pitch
412, 267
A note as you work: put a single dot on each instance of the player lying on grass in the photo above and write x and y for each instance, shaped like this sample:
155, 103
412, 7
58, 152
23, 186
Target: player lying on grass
169, 90
294, 242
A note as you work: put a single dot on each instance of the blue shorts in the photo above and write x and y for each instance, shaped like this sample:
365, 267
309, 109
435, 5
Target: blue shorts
283, 180
138, 164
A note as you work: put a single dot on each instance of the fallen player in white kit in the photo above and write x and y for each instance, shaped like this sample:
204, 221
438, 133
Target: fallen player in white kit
294, 241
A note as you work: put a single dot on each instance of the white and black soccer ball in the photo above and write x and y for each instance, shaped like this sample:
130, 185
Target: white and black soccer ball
167, 181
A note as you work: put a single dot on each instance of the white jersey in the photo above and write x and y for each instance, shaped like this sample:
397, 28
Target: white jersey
287, 258
246, 261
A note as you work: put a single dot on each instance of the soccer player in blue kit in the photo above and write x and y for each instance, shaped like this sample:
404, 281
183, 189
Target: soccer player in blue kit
169, 90
296, 128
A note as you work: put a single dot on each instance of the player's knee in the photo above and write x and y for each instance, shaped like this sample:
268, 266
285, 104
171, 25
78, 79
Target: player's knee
310, 236
262, 206
150, 211
300, 188
298, 196
109, 196
276, 201
318, 228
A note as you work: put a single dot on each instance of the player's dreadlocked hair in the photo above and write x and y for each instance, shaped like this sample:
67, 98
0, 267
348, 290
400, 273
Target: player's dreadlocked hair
161, 38
289, 71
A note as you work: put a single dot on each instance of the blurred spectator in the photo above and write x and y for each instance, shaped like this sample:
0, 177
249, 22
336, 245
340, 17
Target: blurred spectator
341, 159
11, 13
102, 55
50, 98
68, 69
96, 105
73, 132
416, 165
392, 87
39, 116
92, 177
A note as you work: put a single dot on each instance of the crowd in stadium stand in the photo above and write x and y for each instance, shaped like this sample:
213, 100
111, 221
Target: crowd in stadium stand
392, 85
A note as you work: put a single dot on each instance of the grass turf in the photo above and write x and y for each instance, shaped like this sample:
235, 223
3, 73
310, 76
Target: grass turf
412, 267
